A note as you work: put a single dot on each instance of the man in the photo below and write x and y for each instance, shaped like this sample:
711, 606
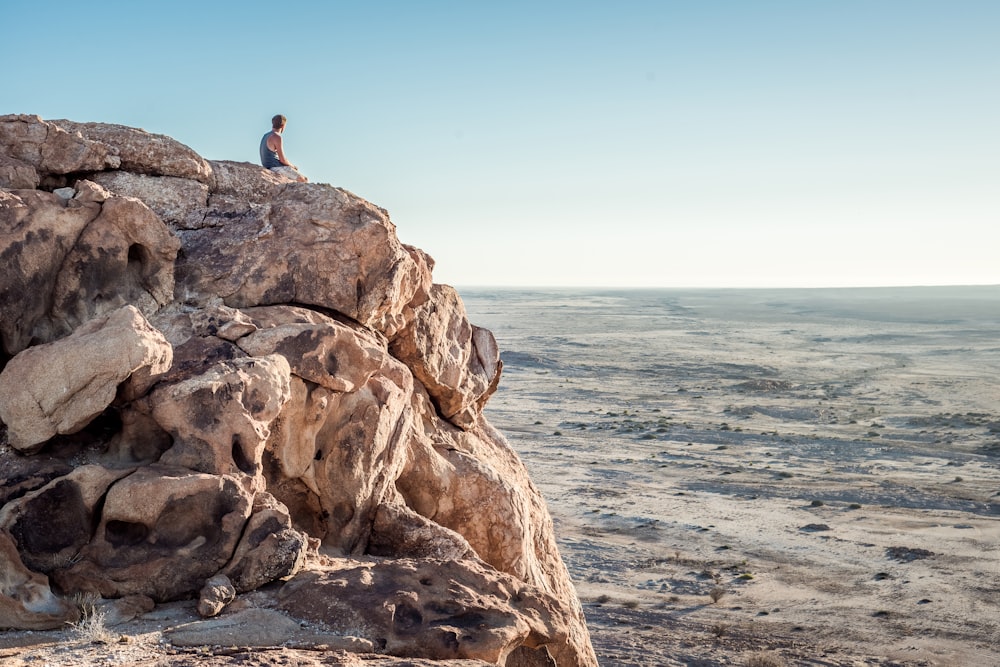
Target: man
272, 154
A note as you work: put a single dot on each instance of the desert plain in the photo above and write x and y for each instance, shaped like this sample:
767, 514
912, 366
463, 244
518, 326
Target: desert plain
756, 477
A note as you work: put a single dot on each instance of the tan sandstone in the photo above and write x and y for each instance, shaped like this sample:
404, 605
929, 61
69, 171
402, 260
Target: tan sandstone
249, 394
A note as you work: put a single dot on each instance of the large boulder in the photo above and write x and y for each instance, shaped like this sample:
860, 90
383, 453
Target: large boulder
213, 380
26, 600
143, 152
60, 387
68, 260
179, 202
51, 149
458, 363
220, 420
163, 532
17, 175
443, 610
313, 245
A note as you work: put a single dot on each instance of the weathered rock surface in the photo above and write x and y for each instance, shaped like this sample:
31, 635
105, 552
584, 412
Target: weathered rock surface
212, 380
449, 609
68, 261
59, 388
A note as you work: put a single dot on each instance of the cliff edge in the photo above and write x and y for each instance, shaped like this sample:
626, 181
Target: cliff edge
216, 382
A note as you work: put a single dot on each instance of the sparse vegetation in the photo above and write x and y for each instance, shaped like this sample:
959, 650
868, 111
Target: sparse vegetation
765, 659
91, 626
716, 594
719, 629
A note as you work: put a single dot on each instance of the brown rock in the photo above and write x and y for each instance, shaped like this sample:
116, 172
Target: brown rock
340, 454
251, 627
264, 627
51, 149
163, 532
245, 182
399, 532
21, 474
222, 321
324, 398
123, 610
321, 350
457, 363
17, 175
473, 483
67, 261
37, 231
124, 256
217, 592
270, 549
177, 201
61, 386
51, 525
442, 610
219, 420
143, 152
26, 601
314, 245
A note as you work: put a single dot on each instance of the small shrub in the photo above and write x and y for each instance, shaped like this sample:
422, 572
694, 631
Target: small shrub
716, 594
719, 629
91, 626
765, 660
854, 506
817, 503
603, 599
746, 576
631, 604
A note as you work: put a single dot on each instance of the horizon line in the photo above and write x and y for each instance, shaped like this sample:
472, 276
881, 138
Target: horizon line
729, 287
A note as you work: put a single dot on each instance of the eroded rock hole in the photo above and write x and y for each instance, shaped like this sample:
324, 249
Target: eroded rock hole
125, 533
138, 267
407, 618
240, 458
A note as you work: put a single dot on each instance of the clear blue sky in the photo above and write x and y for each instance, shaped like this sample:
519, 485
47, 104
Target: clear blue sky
663, 143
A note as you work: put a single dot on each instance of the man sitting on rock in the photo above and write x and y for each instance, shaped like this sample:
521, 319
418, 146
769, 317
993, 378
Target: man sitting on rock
272, 155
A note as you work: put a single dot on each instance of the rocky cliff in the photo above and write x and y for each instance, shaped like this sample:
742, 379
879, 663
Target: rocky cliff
214, 379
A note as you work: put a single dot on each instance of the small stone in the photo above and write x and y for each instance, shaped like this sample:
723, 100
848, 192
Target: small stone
217, 593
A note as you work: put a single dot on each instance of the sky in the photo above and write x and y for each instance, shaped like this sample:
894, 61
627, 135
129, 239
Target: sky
670, 143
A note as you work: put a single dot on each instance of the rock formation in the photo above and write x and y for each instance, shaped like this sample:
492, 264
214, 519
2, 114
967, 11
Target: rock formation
212, 379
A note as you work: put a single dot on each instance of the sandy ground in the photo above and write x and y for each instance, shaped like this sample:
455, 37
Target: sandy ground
832, 476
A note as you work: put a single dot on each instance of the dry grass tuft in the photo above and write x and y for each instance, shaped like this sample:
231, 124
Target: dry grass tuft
765, 659
91, 627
